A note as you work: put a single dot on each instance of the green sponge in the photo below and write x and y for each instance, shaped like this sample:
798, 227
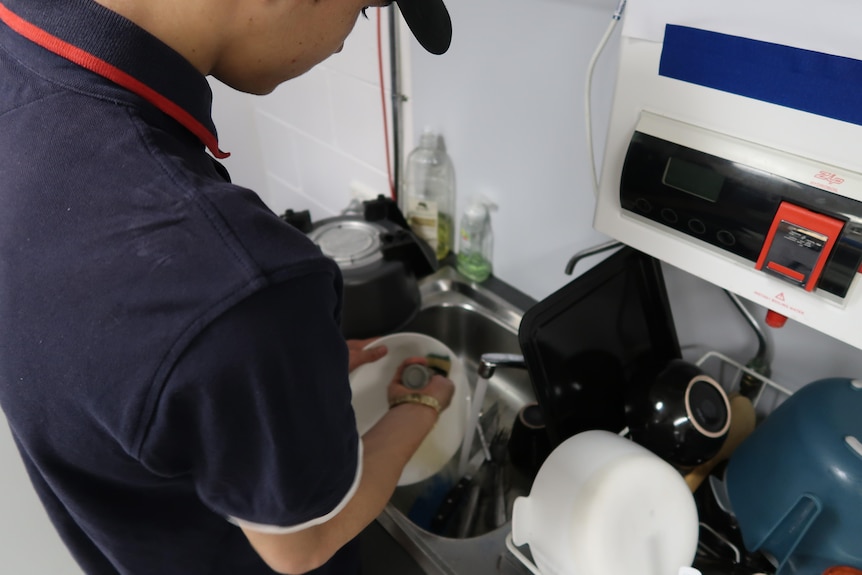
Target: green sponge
439, 363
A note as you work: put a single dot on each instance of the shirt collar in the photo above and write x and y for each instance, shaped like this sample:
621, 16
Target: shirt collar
110, 45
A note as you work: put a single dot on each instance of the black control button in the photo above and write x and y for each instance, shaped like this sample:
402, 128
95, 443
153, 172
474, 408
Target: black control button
669, 216
643, 205
697, 226
726, 237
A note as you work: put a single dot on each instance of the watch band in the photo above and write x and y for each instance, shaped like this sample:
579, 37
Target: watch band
419, 398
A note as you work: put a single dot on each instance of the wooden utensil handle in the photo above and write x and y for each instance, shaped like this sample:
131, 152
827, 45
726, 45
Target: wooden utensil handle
742, 421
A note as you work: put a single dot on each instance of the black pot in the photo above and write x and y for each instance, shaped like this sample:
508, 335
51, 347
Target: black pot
529, 445
683, 415
381, 261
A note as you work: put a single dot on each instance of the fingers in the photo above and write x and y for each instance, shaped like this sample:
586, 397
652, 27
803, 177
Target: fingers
359, 356
372, 353
442, 389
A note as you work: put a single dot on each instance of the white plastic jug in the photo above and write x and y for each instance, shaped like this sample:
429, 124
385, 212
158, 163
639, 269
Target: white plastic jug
604, 505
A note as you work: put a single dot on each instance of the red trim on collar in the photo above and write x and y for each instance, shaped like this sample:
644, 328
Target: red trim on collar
103, 68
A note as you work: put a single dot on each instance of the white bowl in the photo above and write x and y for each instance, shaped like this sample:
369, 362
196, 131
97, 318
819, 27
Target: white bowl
368, 383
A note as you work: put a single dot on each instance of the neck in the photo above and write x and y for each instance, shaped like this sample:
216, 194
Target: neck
188, 26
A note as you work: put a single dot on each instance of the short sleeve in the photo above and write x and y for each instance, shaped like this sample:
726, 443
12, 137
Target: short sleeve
257, 412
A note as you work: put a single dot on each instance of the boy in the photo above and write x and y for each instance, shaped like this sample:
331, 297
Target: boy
171, 364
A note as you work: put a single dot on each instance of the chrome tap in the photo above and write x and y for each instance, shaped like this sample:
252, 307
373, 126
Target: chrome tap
570, 266
489, 362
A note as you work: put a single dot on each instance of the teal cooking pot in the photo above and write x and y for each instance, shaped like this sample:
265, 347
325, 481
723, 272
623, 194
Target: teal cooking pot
795, 484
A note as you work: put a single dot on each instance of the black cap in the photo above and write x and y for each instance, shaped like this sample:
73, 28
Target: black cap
430, 23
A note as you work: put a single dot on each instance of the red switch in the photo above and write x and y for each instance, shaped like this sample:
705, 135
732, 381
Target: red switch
798, 244
775, 319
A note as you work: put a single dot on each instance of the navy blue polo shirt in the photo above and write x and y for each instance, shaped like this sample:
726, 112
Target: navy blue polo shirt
171, 362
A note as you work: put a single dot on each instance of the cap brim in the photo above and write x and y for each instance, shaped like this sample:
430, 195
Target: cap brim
430, 23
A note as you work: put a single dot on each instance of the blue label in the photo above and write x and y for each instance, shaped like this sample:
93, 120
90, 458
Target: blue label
813, 82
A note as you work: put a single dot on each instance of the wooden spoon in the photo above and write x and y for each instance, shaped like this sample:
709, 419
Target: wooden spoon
742, 421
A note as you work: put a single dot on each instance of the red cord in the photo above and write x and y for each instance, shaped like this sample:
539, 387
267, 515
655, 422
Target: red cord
95, 64
383, 103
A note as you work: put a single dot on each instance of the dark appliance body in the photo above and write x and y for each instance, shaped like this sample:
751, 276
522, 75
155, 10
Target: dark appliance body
381, 261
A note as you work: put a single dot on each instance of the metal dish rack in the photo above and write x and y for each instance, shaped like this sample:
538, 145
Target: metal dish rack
729, 374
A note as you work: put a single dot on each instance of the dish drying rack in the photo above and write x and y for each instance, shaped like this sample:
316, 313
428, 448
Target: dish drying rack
730, 374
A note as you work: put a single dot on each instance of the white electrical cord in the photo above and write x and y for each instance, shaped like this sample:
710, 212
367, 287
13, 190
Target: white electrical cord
618, 14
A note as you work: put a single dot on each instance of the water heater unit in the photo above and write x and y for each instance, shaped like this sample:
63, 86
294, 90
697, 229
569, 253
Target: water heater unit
737, 160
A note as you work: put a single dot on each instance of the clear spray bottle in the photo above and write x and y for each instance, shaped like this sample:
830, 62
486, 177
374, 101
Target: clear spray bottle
476, 240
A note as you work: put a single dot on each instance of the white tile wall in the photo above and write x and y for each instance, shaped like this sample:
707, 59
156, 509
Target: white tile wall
304, 103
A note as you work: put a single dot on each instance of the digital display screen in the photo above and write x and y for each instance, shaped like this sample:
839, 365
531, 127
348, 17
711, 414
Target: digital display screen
693, 179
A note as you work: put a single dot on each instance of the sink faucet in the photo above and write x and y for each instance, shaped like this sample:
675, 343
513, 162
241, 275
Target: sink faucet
489, 362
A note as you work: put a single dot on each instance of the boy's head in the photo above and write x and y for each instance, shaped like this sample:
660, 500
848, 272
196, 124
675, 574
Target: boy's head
255, 45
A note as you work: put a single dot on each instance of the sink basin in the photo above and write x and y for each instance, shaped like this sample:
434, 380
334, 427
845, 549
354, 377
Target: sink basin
472, 319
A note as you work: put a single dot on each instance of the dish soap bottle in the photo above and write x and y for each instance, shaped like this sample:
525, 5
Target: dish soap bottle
429, 193
476, 240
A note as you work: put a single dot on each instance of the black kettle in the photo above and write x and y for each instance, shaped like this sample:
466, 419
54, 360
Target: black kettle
381, 261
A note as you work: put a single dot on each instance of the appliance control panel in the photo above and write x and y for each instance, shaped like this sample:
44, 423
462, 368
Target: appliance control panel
776, 210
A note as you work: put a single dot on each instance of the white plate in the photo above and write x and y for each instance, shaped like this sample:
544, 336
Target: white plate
368, 383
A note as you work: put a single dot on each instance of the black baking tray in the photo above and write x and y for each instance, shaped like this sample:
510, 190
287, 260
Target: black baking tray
587, 343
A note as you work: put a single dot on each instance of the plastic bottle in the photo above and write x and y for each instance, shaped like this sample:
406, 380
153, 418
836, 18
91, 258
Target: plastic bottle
476, 240
428, 202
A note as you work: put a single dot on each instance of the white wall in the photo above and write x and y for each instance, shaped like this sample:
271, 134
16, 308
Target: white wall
509, 97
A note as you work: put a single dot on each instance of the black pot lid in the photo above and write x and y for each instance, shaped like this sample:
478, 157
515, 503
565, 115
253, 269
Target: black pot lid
351, 243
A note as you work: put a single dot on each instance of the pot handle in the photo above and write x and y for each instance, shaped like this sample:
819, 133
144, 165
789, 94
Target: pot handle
783, 538
510, 545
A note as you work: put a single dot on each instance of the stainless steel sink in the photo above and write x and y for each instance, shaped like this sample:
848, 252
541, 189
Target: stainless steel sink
472, 319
